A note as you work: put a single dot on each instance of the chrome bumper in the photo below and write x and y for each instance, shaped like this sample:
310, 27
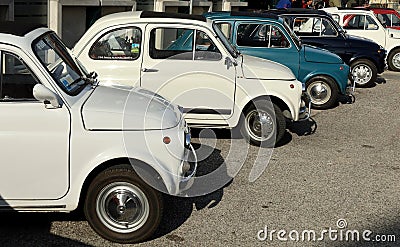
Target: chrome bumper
188, 164
305, 107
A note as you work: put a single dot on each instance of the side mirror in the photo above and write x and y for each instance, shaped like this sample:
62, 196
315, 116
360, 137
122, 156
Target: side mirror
229, 63
45, 95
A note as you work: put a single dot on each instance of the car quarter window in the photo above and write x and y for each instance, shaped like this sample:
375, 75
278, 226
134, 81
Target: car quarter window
182, 44
17, 80
120, 44
261, 35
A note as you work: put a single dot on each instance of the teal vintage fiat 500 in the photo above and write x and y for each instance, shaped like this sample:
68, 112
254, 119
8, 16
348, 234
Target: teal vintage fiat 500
323, 73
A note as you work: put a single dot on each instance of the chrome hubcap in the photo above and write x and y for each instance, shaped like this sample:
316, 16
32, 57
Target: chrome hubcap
319, 92
396, 60
362, 74
122, 207
260, 125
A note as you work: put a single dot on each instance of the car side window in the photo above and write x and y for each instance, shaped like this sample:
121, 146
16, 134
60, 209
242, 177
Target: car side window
307, 26
17, 80
370, 23
395, 20
384, 19
120, 44
171, 43
327, 28
205, 48
261, 35
253, 35
359, 22
353, 21
182, 44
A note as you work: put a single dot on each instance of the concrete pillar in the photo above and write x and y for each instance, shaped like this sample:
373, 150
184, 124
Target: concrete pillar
198, 7
230, 5
68, 17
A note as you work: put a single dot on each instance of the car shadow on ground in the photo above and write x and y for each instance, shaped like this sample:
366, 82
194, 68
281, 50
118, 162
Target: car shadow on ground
380, 80
178, 209
33, 229
300, 128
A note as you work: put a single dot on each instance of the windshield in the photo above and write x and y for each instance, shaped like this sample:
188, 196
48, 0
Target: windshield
295, 38
231, 49
54, 55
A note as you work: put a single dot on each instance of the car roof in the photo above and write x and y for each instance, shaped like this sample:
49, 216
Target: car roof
346, 10
236, 15
383, 10
139, 15
20, 34
296, 11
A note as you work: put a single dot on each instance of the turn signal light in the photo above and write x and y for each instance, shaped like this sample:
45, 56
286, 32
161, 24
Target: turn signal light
167, 140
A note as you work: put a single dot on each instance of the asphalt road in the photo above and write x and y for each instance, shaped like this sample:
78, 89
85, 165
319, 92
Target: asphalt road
346, 171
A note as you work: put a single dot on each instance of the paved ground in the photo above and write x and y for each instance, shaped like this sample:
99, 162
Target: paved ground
348, 169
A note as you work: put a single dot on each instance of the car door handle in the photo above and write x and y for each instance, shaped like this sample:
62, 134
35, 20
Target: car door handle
149, 70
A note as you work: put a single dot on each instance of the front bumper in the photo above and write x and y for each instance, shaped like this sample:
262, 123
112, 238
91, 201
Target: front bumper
382, 65
305, 107
188, 165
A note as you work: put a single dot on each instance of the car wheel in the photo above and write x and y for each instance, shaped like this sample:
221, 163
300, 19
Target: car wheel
363, 72
394, 60
263, 124
121, 207
323, 92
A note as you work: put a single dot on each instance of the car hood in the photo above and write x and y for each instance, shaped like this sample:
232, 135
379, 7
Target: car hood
258, 68
318, 55
393, 33
128, 108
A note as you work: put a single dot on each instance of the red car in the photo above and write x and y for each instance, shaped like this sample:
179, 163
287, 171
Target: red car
388, 17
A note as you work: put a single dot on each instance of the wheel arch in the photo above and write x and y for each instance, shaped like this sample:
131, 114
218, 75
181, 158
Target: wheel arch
389, 51
354, 59
339, 86
143, 167
276, 100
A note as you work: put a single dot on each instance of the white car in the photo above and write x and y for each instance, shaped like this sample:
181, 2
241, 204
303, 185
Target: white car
66, 140
188, 60
364, 23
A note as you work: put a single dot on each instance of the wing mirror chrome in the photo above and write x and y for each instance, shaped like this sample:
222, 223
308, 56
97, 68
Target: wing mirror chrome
45, 95
229, 63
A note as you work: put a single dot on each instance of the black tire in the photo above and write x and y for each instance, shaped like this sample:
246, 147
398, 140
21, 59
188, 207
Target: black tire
364, 72
394, 60
113, 216
323, 92
251, 129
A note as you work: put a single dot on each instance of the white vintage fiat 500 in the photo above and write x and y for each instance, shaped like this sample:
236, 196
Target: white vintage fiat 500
65, 140
188, 60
